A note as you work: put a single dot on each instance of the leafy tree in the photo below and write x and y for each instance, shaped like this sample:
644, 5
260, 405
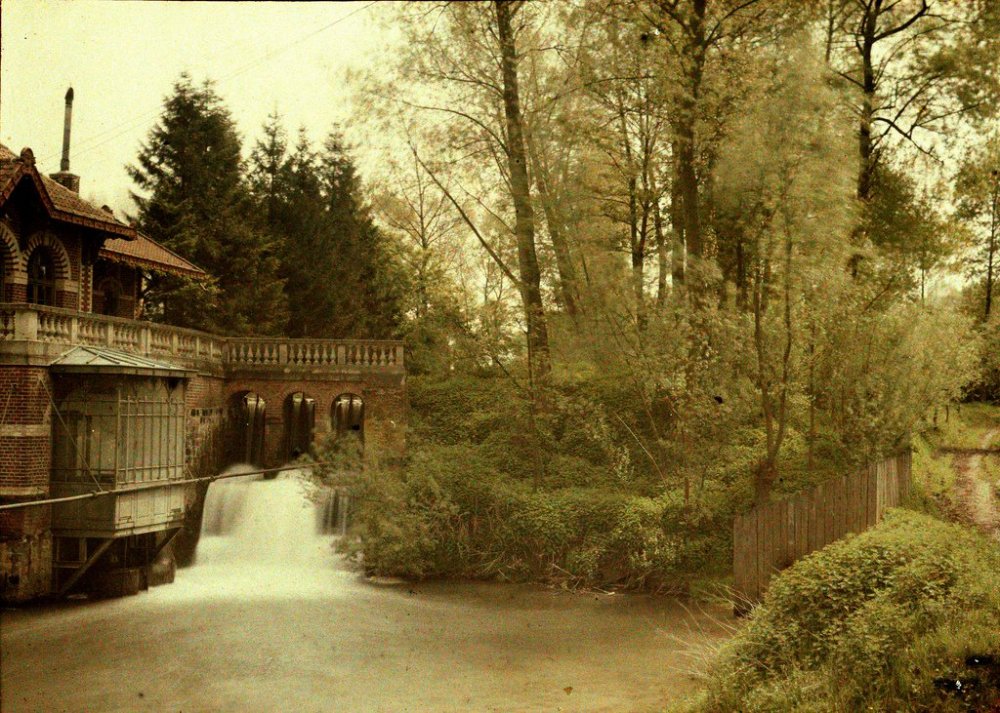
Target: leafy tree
790, 210
977, 189
411, 208
467, 59
911, 236
193, 199
914, 66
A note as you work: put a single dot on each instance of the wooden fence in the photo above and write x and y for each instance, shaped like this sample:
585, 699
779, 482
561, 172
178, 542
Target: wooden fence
771, 537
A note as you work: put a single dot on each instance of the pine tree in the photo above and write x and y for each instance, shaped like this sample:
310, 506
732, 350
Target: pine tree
368, 277
193, 199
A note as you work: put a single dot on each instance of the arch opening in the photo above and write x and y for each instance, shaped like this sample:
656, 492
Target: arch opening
41, 277
300, 424
348, 415
108, 297
9, 260
245, 418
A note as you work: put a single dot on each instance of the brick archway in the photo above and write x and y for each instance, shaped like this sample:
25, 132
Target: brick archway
60, 258
11, 260
13, 280
384, 399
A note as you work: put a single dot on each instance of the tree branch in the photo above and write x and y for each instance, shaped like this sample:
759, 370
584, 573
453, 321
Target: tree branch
472, 226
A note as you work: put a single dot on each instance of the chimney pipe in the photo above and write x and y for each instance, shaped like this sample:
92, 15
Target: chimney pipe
64, 164
64, 177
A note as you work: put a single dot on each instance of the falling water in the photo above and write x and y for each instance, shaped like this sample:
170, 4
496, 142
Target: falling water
265, 536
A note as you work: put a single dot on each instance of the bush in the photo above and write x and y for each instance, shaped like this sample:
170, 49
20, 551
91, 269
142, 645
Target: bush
868, 623
436, 518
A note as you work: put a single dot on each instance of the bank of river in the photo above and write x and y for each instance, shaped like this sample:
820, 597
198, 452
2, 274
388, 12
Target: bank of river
309, 634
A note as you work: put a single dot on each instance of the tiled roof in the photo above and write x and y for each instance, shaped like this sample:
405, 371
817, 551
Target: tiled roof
146, 253
69, 202
62, 203
129, 246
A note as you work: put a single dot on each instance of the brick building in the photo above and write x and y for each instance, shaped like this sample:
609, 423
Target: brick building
92, 398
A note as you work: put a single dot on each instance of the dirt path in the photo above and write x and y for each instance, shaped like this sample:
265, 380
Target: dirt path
975, 501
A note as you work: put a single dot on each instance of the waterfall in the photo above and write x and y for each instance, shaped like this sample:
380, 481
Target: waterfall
265, 538
252, 520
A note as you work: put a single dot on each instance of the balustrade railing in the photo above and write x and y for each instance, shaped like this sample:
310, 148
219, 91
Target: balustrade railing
34, 323
313, 353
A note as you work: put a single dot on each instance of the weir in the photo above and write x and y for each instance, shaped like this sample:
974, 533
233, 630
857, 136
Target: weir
270, 523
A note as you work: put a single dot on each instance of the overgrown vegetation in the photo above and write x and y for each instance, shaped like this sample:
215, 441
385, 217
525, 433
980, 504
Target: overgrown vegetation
655, 261
870, 623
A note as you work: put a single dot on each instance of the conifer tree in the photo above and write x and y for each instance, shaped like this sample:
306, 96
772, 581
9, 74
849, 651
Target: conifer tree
192, 198
367, 275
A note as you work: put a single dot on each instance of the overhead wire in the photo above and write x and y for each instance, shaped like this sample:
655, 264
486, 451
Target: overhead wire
157, 485
129, 124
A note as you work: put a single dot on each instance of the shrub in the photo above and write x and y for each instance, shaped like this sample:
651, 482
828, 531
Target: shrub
446, 515
868, 623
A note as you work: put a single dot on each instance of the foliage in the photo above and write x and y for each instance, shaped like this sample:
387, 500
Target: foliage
882, 372
436, 520
341, 276
868, 623
469, 500
194, 200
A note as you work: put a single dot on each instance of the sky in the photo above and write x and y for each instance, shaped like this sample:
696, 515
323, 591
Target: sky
121, 58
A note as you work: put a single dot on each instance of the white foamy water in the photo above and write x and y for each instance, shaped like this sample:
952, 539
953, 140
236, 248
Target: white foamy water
260, 538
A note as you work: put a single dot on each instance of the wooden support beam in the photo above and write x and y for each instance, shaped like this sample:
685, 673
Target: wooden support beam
166, 541
75, 577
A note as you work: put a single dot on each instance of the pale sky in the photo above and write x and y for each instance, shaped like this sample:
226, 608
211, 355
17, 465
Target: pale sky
122, 57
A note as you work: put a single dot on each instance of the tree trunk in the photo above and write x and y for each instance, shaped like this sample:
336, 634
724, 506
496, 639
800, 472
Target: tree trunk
568, 285
686, 143
661, 254
638, 274
678, 248
524, 224
741, 275
991, 250
866, 148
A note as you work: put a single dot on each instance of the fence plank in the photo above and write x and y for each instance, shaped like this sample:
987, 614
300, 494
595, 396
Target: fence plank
761, 553
856, 518
772, 536
815, 524
801, 524
872, 516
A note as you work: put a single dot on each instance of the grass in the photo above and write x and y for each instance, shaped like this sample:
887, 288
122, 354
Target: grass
964, 426
933, 477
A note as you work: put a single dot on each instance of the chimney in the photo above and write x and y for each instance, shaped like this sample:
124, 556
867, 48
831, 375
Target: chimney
71, 181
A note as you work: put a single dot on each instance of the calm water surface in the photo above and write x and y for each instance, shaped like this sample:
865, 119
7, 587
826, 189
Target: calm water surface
268, 619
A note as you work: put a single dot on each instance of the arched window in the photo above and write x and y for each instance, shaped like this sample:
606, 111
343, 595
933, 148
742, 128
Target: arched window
41, 277
111, 297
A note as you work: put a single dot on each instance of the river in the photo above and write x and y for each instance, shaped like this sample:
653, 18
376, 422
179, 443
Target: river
269, 619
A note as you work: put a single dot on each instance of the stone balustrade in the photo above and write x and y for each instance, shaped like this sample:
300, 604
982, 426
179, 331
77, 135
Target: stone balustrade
35, 324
